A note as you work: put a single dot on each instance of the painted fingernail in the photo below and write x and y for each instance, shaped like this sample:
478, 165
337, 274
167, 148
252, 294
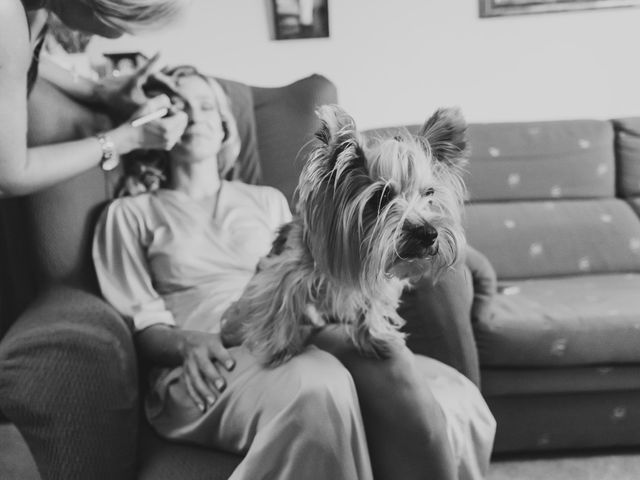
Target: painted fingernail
210, 400
201, 406
219, 384
229, 364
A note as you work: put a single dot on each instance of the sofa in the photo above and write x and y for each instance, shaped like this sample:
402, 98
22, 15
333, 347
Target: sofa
554, 206
69, 377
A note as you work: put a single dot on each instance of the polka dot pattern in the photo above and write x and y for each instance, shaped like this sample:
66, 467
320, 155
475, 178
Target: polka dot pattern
541, 160
560, 322
564, 237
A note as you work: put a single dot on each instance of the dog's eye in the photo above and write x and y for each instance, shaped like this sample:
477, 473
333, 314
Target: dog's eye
384, 197
428, 192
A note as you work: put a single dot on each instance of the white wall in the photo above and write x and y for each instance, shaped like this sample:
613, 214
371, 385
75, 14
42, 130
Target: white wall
394, 61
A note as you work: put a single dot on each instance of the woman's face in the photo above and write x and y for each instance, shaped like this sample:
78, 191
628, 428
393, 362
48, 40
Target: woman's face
204, 134
79, 16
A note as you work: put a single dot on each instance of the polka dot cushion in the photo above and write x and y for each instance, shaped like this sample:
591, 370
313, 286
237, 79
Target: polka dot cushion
584, 320
541, 160
553, 238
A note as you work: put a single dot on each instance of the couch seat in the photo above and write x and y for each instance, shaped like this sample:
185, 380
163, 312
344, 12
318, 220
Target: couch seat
563, 321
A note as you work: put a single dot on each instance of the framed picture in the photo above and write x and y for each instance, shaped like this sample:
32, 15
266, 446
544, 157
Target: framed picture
496, 8
300, 19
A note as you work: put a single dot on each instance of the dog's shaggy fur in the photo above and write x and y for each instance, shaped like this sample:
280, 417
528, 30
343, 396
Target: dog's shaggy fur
369, 218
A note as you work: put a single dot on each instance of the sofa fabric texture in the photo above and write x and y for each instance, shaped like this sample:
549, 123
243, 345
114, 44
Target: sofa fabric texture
541, 160
556, 322
541, 239
553, 206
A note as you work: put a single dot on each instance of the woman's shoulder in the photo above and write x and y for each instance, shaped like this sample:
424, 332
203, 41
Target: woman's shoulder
131, 207
269, 201
257, 193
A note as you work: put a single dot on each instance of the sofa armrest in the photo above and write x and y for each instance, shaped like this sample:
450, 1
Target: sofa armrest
68, 381
485, 283
438, 320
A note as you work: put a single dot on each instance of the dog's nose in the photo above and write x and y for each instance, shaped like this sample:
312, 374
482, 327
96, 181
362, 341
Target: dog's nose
430, 234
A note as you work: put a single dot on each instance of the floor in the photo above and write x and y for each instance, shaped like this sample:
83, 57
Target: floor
16, 464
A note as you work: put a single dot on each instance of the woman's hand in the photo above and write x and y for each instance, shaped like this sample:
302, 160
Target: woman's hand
200, 354
203, 357
123, 95
160, 134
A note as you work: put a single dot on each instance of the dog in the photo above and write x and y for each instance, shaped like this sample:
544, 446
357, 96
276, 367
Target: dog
369, 218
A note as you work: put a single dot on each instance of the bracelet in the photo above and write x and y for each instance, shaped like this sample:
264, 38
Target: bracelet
110, 159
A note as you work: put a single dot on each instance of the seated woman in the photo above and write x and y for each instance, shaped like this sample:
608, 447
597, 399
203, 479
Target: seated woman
173, 259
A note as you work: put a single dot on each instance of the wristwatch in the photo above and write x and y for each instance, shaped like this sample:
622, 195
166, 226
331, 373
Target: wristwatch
110, 159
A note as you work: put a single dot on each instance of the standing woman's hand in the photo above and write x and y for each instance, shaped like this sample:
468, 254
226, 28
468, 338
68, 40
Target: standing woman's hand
124, 94
160, 134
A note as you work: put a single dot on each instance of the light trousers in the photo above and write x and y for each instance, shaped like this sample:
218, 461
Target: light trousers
300, 420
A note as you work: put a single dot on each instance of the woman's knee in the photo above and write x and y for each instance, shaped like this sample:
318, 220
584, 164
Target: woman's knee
324, 393
320, 376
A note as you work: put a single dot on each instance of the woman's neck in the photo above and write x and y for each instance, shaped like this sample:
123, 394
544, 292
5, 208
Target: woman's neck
200, 181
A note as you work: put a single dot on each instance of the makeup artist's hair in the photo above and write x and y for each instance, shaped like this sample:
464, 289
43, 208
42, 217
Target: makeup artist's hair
129, 16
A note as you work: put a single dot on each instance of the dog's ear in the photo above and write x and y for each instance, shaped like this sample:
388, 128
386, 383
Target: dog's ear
337, 129
446, 133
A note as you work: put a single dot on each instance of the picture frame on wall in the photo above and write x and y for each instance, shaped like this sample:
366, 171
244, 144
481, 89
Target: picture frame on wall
295, 19
498, 8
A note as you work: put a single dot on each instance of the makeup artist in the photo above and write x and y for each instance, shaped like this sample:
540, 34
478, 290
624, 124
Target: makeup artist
23, 25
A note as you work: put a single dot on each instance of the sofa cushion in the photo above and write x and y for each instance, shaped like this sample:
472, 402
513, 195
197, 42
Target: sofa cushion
627, 142
568, 237
541, 160
247, 167
579, 320
571, 421
503, 381
635, 204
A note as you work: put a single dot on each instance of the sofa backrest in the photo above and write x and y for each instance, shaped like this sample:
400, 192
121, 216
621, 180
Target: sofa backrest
627, 143
45, 238
542, 199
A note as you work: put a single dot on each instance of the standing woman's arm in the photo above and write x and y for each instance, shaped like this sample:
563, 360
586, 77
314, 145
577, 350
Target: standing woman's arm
25, 170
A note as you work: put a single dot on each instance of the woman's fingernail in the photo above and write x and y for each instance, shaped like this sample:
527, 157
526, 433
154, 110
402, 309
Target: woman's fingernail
229, 364
219, 384
211, 400
201, 406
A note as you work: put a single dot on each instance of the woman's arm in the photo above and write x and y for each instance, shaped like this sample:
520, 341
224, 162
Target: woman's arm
121, 240
199, 353
24, 170
119, 96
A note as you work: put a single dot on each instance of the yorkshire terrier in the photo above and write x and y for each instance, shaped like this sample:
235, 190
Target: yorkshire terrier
369, 219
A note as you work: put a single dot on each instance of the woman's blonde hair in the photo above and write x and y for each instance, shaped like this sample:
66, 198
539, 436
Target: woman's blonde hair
147, 170
131, 16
